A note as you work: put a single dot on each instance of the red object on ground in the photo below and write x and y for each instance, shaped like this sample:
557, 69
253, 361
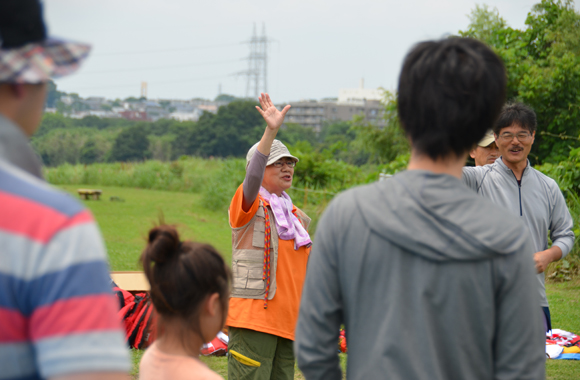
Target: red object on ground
136, 312
342, 342
217, 347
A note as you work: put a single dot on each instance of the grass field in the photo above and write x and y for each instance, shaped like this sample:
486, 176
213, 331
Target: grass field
125, 224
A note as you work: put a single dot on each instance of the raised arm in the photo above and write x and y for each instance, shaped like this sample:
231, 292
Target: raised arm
255, 170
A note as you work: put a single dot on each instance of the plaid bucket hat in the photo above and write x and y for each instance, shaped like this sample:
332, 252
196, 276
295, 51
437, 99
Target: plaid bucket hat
27, 55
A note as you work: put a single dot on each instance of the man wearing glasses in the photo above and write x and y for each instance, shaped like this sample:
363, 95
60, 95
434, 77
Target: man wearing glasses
512, 183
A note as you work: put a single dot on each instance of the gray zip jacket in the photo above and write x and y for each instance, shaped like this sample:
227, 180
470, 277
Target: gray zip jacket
431, 282
537, 200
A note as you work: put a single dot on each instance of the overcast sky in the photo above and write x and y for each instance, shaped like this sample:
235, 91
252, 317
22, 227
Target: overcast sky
185, 49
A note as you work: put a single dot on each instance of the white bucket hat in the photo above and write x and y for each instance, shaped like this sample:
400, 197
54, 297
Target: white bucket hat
277, 151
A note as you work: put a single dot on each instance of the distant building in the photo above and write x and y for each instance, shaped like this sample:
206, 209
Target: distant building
213, 108
134, 115
359, 95
68, 100
185, 116
350, 102
95, 103
103, 114
155, 111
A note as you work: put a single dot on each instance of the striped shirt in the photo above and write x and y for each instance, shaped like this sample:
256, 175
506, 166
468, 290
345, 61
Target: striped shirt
57, 312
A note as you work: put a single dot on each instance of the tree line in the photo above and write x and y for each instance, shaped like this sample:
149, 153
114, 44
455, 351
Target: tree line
229, 133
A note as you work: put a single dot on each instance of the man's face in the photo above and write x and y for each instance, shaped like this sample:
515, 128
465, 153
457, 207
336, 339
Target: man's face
514, 143
484, 155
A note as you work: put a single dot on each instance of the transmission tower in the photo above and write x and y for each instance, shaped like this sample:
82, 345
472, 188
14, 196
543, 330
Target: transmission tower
257, 73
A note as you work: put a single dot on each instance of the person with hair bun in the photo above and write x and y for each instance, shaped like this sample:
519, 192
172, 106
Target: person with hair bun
270, 249
190, 291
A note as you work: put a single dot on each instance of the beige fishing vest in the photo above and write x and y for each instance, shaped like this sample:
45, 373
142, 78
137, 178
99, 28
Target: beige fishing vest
248, 254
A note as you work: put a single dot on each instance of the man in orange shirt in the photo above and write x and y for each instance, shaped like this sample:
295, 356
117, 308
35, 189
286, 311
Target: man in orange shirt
270, 251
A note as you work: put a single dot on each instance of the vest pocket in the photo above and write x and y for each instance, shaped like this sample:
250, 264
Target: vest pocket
247, 275
259, 232
247, 268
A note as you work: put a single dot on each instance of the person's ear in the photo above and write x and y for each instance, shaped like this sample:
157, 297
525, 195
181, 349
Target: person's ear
212, 305
472, 153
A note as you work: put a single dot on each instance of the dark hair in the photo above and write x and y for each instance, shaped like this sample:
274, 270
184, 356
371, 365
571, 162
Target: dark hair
183, 274
516, 113
21, 22
450, 93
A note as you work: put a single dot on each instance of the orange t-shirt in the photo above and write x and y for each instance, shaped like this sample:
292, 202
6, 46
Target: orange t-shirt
282, 313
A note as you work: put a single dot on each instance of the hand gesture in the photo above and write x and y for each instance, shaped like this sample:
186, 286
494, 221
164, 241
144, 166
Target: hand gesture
270, 113
542, 259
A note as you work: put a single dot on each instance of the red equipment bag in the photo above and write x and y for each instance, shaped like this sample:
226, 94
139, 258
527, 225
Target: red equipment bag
136, 312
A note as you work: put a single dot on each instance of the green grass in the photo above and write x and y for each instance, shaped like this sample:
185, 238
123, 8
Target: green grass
564, 301
125, 224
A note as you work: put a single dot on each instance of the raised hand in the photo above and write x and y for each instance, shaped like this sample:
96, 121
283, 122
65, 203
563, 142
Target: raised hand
273, 117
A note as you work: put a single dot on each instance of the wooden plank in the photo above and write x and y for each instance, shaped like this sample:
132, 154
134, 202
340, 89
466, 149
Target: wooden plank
132, 281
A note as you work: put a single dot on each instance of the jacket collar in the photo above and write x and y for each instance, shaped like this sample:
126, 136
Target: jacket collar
499, 162
15, 148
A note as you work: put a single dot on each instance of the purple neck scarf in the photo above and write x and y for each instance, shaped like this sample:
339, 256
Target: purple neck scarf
287, 224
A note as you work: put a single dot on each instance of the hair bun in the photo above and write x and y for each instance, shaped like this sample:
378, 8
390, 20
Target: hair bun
164, 244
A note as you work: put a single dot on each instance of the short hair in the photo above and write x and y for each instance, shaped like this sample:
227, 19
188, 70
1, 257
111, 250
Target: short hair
516, 113
182, 275
450, 93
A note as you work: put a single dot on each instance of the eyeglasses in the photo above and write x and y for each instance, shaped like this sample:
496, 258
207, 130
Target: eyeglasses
521, 136
279, 164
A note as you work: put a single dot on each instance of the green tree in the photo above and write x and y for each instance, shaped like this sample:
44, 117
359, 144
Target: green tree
383, 144
51, 121
131, 145
291, 133
52, 94
543, 65
89, 153
92, 121
61, 146
230, 133
484, 24
225, 98
160, 147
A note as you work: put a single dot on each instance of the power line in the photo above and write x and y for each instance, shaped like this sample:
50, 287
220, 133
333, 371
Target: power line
167, 50
161, 67
154, 83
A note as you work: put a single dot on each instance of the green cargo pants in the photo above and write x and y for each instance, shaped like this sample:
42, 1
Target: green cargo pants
274, 355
